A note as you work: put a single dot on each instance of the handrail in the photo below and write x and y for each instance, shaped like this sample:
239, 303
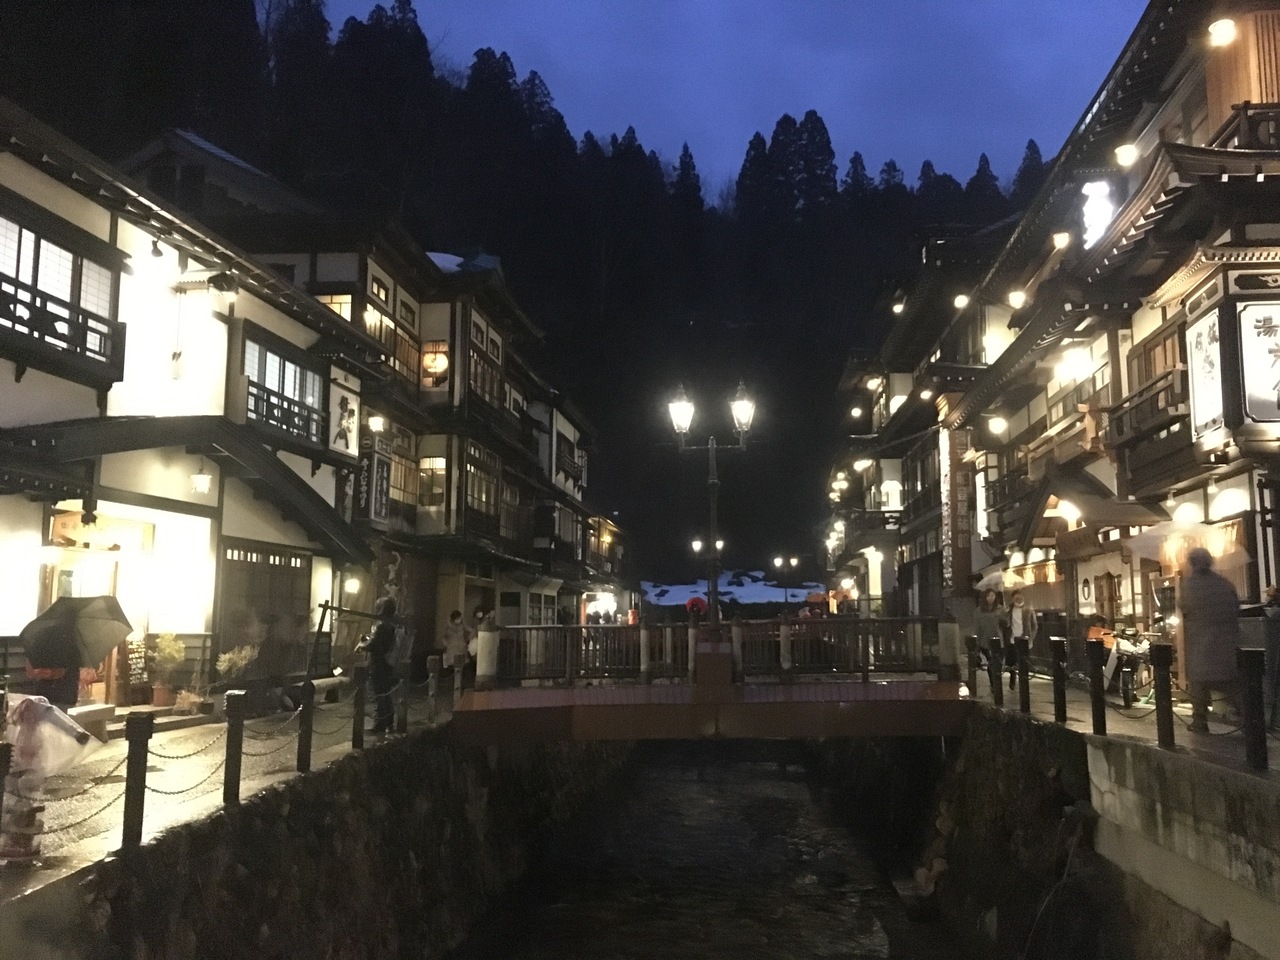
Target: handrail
1242, 130
284, 413
27, 310
1167, 394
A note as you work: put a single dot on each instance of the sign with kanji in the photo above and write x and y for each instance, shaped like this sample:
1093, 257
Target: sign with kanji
1260, 360
1204, 363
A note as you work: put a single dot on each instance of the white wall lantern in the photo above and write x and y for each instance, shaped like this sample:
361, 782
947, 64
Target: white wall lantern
1127, 154
1222, 33
201, 480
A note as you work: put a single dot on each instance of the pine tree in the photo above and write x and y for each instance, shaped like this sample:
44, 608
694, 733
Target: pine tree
785, 167
1029, 178
982, 194
751, 200
686, 188
891, 176
816, 184
301, 63
927, 174
857, 182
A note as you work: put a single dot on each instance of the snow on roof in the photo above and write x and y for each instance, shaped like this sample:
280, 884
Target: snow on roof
447, 262
741, 585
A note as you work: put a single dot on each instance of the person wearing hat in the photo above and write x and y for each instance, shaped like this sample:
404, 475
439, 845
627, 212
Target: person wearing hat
1211, 629
381, 646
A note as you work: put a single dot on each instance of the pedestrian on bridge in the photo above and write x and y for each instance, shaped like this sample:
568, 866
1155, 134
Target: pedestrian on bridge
382, 674
1211, 628
989, 628
1020, 620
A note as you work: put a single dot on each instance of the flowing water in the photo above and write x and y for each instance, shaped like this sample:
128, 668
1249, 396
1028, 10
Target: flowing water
736, 858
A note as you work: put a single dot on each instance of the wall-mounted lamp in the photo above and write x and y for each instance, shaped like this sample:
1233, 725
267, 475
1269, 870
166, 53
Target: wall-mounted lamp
961, 301
1222, 33
1061, 240
1017, 299
1212, 489
377, 423
155, 249
201, 481
351, 585
1169, 502
926, 393
899, 307
998, 424
855, 412
225, 283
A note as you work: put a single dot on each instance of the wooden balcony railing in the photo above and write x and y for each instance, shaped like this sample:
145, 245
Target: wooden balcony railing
46, 332
1251, 126
293, 417
1150, 409
1008, 488
481, 524
921, 503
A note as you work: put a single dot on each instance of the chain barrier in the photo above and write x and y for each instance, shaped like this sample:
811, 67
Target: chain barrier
268, 734
276, 749
184, 756
1130, 716
199, 783
83, 820
91, 785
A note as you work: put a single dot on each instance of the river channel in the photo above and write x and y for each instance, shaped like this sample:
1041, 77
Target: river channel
709, 858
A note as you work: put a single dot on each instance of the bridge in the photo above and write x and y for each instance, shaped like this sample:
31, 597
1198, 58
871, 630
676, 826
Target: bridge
829, 677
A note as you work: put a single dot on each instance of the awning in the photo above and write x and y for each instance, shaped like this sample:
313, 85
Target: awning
237, 447
22, 471
1098, 506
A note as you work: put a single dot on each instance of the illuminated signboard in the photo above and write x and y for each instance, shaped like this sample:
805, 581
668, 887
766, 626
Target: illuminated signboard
1204, 362
1260, 360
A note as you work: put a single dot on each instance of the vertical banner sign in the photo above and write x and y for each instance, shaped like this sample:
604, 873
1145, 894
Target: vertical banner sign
1260, 360
956, 523
1204, 363
381, 510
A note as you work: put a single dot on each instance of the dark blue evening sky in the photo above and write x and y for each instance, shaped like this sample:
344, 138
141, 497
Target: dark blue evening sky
907, 79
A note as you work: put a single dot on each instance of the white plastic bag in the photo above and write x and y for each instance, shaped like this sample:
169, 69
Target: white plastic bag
45, 740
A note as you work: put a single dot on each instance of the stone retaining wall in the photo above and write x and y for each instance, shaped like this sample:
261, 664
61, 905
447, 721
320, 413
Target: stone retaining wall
390, 852
1005, 833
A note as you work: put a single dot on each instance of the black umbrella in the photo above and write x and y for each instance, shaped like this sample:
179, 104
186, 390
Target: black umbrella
75, 632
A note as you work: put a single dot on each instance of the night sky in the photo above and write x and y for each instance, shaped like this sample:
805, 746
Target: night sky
903, 79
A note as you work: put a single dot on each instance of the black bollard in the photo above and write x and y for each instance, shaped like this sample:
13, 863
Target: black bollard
306, 724
237, 705
137, 731
1023, 647
995, 660
971, 651
1098, 654
1058, 646
434, 665
1252, 664
6, 757
1161, 664
864, 647
402, 708
360, 678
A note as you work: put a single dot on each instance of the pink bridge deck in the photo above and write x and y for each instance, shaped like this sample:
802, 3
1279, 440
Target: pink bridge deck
704, 711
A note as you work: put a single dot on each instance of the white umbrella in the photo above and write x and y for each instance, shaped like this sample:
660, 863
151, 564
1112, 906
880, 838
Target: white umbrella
1170, 542
1001, 580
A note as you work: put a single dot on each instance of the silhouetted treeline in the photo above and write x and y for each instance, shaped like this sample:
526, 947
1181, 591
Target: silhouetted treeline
640, 278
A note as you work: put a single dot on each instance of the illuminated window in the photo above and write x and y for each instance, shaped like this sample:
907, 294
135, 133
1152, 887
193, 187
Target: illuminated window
435, 363
513, 523
431, 482
339, 303
380, 290
282, 393
482, 472
408, 315
485, 380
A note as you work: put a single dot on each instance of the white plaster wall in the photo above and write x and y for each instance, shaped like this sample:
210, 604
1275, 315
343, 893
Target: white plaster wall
53, 196
165, 472
325, 482
20, 559
269, 318
321, 589
251, 519
1145, 321
41, 398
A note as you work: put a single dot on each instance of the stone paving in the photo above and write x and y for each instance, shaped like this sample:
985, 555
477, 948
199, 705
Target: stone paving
84, 807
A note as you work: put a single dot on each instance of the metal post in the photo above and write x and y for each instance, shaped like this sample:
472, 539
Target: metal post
434, 664
402, 708
137, 731
692, 645
669, 649
646, 671
735, 639
574, 637
713, 584
6, 757
1252, 664
971, 662
785, 655
1098, 654
237, 704
1023, 647
1058, 645
306, 723
360, 678
1161, 662
864, 653
315, 641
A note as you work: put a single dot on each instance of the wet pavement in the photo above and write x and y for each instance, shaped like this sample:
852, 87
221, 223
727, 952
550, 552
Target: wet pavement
736, 860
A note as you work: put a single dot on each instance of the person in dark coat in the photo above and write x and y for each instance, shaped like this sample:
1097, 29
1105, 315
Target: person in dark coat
988, 626
1211, 628
381, 646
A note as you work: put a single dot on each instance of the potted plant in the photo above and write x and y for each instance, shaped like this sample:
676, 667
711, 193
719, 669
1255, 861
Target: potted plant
169, 654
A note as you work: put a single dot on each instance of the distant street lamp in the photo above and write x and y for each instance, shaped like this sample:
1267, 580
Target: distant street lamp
779, 563
743, 410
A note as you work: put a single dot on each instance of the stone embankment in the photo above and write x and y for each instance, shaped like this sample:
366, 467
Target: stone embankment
390, 852
1036, 841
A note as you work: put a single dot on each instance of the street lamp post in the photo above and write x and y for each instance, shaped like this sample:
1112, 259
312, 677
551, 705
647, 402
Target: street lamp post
779, 563
743, 409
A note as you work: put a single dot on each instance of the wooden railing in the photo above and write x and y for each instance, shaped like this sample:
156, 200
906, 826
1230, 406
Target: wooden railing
828, 646
1149, 409
293, 417
921, 503
1008, 488
50, 328
1251, 126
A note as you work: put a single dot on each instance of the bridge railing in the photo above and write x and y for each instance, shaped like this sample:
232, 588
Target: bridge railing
829, 645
